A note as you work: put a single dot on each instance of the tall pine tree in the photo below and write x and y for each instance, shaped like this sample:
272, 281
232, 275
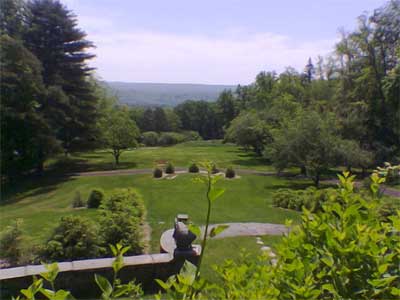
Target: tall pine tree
55, 39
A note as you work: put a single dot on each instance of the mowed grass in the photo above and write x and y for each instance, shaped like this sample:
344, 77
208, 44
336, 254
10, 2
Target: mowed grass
232, 248
224, 155
248, 199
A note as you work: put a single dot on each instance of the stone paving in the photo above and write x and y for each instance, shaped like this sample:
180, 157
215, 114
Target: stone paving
167, 242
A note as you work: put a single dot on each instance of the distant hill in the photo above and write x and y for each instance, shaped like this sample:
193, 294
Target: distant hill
163, 94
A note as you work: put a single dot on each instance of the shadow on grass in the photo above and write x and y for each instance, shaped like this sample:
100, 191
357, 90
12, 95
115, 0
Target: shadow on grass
249, 159
72, 165
294, 185
30, 186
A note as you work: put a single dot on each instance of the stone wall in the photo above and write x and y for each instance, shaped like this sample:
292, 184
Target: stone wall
78, 276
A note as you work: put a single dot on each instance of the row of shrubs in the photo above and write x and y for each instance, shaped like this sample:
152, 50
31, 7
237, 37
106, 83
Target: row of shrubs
152, 138
310, 198
122, 215
193, 168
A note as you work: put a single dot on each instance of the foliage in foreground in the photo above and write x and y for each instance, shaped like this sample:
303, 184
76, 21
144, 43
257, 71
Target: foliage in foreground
346, 253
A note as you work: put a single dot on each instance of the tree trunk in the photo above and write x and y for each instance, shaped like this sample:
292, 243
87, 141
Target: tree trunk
40, 164
316, 179
116, 156
303, 170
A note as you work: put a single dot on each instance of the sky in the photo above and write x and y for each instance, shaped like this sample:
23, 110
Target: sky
210, 41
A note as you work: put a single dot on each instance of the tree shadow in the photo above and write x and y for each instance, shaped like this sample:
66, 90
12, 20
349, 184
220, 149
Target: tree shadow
293, 185
76, 165
31, 186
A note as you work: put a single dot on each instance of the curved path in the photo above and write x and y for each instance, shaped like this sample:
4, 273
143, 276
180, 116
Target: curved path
167, 242
178, 170
385, 190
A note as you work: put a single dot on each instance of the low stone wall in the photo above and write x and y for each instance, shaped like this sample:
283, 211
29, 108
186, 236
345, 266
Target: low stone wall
78, 276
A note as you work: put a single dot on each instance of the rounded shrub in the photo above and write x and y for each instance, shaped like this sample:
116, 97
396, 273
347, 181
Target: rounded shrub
191, 135
193, 168
75, 237
230, 173
170, 138
150, 138
122, 217
214, 169
11, 242
170, 169
78, 202
157, 173
95, 198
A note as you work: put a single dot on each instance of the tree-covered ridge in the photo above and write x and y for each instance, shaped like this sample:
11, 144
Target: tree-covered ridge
163, 94
340, 110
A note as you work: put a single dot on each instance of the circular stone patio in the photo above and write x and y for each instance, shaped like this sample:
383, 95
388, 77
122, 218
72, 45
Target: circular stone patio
167, 242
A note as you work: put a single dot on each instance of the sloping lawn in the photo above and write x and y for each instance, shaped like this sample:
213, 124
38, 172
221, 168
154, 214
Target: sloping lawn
247, 199
224, 155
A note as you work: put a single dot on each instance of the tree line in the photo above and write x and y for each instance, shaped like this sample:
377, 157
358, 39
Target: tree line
341, 110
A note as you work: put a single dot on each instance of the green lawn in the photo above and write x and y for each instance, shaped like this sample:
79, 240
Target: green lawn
218, 250
224, 155
247, 199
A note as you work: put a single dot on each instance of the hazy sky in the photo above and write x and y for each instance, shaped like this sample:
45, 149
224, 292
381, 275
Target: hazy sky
210, 41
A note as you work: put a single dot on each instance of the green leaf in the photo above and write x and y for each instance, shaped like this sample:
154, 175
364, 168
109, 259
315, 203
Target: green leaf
327, 260
49, 294
52, 272
163, 285
188, 272
215, 193
103, 284
195, 229
395, 291
122, 290
217, 230
62, 295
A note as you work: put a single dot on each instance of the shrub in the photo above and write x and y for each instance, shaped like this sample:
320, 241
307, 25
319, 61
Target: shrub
230, 173
74, 238
150, 138
170, 169
310, 198
390, 172
214, 169
190, 136
193, 168
125, 201
11, 242
77, 202
95, 198
170, 138
157, 173
122, 217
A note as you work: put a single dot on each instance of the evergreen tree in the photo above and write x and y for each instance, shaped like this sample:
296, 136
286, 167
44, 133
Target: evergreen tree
13, 14
26, 137
160, 120
148, 120
309, 71
53, 37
